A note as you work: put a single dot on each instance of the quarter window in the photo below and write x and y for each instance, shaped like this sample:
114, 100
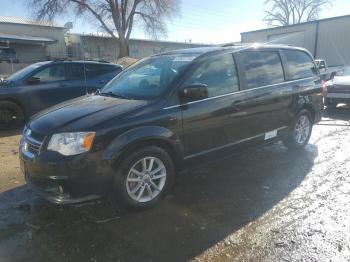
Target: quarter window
300, 64
52, 73
261, 68
218, 73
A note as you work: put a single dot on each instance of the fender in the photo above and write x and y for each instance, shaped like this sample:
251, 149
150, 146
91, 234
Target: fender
142, 134
312, 102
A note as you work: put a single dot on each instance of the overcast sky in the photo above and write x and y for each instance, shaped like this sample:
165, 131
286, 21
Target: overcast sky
203, 21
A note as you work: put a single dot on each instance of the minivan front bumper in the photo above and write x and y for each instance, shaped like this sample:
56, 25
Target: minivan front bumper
66, 180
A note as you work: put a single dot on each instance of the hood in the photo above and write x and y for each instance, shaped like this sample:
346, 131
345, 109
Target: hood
84, 112
341, 80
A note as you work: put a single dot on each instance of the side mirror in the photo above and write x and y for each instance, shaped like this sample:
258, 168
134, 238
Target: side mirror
33, 80
194, 92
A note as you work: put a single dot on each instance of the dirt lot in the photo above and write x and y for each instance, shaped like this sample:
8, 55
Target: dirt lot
266, 205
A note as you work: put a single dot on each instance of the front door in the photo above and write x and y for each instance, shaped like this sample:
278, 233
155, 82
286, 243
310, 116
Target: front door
50, 88
207, 123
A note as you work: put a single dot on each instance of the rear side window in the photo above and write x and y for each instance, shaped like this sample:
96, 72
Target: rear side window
218, 73
96, 70
76, 71
299, 64
261, 68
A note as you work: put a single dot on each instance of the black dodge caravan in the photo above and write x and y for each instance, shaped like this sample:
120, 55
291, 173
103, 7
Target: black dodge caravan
167, 112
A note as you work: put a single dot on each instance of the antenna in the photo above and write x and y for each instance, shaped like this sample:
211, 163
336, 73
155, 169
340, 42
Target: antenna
85, 81
84, 69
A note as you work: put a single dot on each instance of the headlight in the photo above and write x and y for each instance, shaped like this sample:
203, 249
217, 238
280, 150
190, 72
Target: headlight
69, 144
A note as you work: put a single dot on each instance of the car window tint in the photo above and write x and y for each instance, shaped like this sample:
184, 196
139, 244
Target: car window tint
52, 73
218, 73
95, 70
108, 68
76, 71
300, 64
261, 68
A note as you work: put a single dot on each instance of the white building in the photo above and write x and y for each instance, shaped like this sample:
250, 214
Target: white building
32, 40
36, 41
326, 38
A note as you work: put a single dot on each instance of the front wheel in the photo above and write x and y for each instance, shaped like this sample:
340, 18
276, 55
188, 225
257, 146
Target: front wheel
144, 177
300, 131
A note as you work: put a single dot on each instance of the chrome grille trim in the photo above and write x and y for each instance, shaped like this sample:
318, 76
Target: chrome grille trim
34, 145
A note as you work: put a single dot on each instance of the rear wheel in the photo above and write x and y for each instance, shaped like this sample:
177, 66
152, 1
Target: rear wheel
300, 131
144, 177
11, 115
331, 103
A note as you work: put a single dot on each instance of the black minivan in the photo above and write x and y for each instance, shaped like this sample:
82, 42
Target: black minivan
166, 113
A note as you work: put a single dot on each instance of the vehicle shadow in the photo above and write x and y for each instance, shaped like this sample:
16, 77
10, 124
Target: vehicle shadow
342, 112
205, 207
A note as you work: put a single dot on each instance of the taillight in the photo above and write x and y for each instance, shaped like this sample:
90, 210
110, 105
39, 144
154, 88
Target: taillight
323, 83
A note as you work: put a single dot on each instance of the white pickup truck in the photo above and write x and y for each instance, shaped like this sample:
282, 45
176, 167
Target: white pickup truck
338, 88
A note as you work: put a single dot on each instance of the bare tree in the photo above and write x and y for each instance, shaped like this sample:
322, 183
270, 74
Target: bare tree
117, 17
287, 12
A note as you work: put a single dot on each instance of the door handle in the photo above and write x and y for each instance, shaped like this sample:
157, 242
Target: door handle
236, 105
237, 102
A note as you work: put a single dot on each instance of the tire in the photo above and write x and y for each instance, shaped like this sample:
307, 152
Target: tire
11, 115
132, 168
331, 104
294, 139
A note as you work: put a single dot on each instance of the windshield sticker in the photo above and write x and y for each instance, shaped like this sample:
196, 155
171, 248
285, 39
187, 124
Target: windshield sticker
184, 58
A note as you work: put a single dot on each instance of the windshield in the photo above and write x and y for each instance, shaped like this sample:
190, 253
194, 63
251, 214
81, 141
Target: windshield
149, 78
23, 72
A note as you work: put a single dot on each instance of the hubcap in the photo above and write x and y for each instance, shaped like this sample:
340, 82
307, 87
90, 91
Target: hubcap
7, 116
302, 129
146, 179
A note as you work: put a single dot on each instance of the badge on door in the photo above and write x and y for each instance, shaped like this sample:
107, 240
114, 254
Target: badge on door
271, 134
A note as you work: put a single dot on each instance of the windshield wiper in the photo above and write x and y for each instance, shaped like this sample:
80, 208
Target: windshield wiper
111, 94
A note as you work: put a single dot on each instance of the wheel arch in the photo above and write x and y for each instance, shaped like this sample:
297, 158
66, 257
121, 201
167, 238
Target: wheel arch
17, 102
141, 137
311, 110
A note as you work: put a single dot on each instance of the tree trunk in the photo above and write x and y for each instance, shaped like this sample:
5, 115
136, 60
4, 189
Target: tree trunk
123, 47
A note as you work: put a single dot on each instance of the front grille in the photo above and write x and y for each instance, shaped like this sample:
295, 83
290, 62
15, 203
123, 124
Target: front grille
33, 141
34, 148
37, 136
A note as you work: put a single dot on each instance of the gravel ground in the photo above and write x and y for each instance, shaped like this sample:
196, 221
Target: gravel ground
266, 205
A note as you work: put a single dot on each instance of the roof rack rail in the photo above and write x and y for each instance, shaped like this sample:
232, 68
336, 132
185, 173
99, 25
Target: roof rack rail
72, 60
252, 44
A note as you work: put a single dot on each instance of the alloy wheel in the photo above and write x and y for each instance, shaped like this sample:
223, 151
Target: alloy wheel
146, 179
302, 129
